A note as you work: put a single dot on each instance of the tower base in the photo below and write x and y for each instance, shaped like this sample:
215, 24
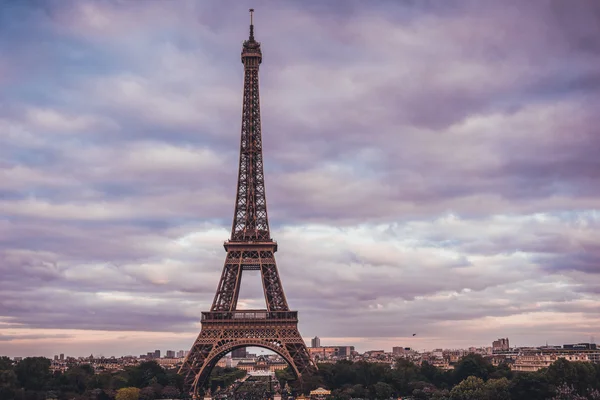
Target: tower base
223, 332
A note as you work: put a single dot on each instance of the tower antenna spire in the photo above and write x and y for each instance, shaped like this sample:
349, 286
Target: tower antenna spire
251, 24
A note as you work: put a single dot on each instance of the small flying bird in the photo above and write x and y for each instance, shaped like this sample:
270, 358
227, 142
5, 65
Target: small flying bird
414, 334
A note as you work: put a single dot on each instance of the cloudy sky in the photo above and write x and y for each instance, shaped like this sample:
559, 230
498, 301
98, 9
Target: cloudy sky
432, 167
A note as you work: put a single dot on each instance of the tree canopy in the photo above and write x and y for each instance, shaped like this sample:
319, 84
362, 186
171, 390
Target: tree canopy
472, 378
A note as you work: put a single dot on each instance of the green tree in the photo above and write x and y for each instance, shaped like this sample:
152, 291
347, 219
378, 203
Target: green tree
8, 384
432, 374
365, 374
530, 386
423, 390
101, 380
382, 390
119, 381
472, 388
358, 391
79, 378
147, 373
586, 377
147, 393
224, 377
128, 393
579, 375
344, 373
562, 371
472, 365
497, 389
33, 373
594, 394
403, 375
284, 376
108, 394
441, 395
566, 392
6, 363
308, 382
502, 371
170, 392
176, 379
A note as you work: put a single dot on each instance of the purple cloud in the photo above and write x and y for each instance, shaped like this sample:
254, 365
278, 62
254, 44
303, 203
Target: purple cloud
429, 166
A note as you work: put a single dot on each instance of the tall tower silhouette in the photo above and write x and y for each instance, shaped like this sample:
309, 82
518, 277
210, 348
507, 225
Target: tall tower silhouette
250, 248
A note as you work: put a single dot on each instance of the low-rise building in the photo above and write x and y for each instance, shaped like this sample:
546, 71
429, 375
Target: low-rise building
320, 393
262, 363
169, 362
531, 362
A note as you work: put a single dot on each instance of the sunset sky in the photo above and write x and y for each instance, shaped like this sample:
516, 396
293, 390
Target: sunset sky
432, 167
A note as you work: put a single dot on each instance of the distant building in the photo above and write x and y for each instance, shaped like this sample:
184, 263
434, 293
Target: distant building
182, 353
222, 363
397, 351
500, 345
550, 347
580, 346
168, 362
56, 358
441, 364
315, 342
345, 351
239, 353
320, 393
62, 357
533, 362
326, 352
438, 353
170, 354
156, 353
262, 364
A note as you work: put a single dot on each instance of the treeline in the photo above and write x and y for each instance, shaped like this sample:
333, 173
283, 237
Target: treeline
31, 379
473, 378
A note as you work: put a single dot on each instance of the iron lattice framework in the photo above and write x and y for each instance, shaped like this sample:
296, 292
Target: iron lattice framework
250, 247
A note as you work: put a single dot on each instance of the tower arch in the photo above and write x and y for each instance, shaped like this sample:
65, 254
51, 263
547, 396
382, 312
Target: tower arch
212, 360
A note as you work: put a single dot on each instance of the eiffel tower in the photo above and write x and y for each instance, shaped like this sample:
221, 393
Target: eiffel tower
250, 248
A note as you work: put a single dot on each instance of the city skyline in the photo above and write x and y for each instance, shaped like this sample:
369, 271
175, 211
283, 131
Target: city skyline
429, 169
52, 353
501, 345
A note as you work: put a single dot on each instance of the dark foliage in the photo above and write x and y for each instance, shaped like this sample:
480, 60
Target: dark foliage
472, 365
31, 379
223, 377
374, 381
530, 385
33, 373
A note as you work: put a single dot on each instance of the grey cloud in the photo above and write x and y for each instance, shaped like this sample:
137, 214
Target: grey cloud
330, 283
450, 183
425, 315
587, 259
9, 338
79, 311
379, 124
